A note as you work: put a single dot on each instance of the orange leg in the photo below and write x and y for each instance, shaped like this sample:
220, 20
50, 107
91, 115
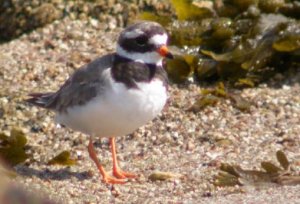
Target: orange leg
117, 172
106, 178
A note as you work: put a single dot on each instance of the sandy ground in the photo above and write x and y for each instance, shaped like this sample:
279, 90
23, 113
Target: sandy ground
177, 141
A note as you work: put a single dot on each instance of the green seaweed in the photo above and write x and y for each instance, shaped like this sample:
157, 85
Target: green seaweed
181, 67
12, 148
63, 158
149, 16
244, 42
186, 10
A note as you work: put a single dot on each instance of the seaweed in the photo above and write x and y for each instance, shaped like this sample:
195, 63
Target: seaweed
231, 175
62, 158
163, 176
12, 148
210, 97
245, 42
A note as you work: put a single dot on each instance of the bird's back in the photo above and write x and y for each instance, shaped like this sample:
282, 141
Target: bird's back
81, 87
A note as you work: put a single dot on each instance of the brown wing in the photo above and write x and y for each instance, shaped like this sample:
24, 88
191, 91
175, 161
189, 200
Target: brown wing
81, 87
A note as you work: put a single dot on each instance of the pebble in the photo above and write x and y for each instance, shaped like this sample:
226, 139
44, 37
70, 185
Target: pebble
177, 141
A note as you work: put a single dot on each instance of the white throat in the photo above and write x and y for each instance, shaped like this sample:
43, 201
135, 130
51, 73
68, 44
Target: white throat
146, 57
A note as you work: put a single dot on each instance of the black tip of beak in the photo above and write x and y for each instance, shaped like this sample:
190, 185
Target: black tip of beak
169, 55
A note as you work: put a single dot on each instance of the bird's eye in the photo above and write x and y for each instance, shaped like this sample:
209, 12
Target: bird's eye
141, 41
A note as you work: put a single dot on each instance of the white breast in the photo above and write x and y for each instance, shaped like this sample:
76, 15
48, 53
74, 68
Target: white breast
118, 111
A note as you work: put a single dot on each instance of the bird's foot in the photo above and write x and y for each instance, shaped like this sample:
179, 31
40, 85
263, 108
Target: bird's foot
120, 174
110, 180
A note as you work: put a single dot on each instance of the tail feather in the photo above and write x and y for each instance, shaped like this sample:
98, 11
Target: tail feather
40, 99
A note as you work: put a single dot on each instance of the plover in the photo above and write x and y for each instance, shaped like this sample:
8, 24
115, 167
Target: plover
115, 94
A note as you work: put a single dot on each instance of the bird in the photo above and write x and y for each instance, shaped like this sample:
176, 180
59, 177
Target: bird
115, 94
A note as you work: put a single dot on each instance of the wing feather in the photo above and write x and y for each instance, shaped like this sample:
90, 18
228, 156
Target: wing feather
85, 84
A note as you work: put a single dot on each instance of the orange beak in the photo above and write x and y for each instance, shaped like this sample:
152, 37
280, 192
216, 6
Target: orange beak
164, 51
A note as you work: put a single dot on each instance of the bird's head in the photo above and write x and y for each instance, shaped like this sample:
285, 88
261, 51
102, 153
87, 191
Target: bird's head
145, 42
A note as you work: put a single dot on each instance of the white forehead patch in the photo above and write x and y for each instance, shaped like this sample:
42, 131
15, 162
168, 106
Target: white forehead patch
159, 39
134, 33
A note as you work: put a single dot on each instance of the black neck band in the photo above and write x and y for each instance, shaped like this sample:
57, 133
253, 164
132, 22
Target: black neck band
130, 72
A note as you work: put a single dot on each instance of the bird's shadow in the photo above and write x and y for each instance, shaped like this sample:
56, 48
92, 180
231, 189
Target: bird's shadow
47, 174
